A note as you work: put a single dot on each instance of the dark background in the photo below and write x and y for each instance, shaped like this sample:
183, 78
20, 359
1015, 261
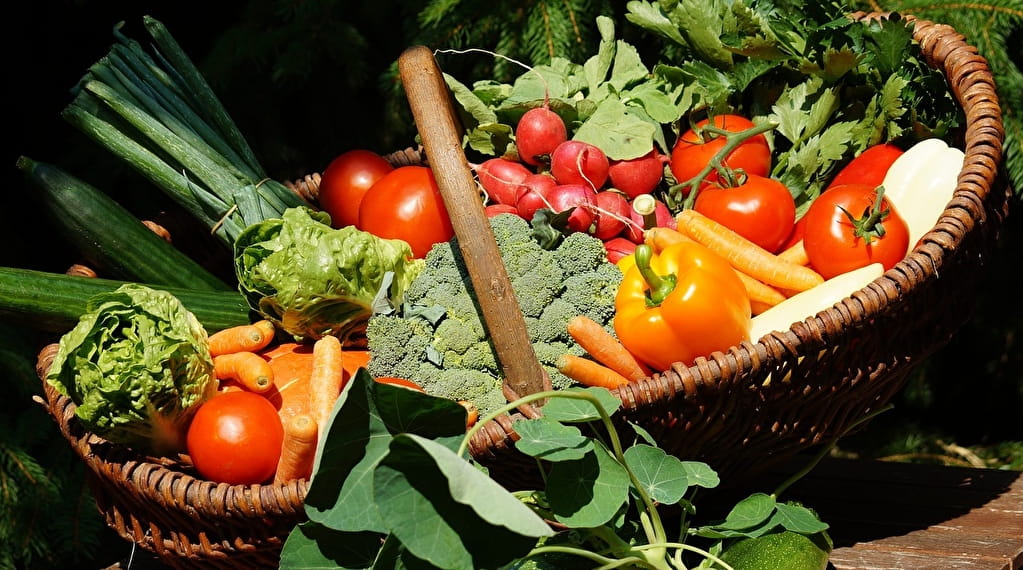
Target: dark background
305, 86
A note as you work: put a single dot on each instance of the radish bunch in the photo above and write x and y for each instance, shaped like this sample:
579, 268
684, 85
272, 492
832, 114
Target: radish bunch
576, 179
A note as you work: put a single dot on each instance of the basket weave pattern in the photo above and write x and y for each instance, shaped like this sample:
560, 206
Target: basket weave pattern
740, 411
764, 401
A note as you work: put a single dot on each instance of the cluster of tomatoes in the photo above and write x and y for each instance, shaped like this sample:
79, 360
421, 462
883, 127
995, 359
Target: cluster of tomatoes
725, 159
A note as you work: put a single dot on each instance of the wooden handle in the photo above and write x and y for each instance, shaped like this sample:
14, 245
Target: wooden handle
440, 132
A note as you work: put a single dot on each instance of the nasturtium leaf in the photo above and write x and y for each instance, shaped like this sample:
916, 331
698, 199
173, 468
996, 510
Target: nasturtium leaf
551, 441
580, 410
587, 492
749, 512
699, 474
448, 513
365, 416
662, 475
798, 518
312, 546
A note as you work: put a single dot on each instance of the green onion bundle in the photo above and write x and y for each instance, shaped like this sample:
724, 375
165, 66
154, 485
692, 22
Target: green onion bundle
159, 114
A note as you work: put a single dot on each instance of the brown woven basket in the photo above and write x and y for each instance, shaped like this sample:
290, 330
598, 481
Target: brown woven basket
161, 504
741, 411
762, 402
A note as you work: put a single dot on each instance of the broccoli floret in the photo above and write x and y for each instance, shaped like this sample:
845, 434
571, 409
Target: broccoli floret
593, 292
438, 338
552, 325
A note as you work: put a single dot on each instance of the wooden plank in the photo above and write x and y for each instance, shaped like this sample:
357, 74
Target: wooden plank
908, 516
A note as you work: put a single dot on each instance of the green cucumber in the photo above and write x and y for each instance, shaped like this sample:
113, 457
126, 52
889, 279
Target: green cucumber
110, 238
53, 302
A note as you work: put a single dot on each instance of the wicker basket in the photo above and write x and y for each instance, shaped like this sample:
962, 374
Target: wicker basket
741, 411
762, 402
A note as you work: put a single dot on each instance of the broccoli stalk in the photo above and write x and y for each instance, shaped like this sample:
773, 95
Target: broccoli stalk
438, 338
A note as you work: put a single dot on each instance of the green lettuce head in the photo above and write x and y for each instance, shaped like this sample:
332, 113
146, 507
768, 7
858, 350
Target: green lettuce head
137, 366
312, 280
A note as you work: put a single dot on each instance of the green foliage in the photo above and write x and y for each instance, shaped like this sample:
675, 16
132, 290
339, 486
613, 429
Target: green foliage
995, 28
394, 486
47, 514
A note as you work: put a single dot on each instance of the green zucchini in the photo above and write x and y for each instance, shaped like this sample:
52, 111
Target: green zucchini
53, 302
110, 238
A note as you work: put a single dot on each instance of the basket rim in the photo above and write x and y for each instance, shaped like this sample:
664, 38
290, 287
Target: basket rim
166, 482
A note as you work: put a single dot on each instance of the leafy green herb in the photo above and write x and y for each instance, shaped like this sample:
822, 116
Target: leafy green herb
834, 86
393, 487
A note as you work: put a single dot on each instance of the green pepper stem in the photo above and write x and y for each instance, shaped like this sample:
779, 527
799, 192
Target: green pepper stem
660, 285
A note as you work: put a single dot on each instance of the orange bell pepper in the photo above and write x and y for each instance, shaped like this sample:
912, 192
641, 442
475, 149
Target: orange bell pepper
682, 303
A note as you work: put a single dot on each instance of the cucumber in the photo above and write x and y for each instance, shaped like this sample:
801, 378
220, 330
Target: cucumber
53, 302
109, 237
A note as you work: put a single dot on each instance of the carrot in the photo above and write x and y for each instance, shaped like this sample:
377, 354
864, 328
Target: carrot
589, 372
605, 348
246, 368
761, 295
745, 255
325, 380
796, 253
660, 237
241, 338
298, 449
472, 413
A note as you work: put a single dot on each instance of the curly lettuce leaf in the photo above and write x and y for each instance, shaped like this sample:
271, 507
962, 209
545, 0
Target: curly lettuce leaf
137, 366
312, 280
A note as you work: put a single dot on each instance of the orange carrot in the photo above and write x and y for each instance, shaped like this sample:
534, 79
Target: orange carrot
660, 237
605, 348
745, 255
761, 295
298, 449
246, 368
589, 372
241, 338
326, 379
796, 253
472, 413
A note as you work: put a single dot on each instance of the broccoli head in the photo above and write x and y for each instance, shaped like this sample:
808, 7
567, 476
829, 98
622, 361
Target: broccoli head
438, 338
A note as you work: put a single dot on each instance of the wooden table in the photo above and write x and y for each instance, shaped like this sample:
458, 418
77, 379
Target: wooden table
903, 516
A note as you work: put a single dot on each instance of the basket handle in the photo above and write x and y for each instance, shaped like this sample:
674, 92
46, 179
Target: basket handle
440, 131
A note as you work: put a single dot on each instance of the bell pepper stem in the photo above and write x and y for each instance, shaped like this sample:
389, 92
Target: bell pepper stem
660, 286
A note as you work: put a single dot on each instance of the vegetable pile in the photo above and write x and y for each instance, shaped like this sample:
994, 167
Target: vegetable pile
770, 164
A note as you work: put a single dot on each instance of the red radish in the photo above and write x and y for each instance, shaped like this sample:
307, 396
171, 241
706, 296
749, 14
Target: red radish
578, 197
663, 218
495, 209
612, 214
500, 178
577, 162
640, 175
533, 196
538, 133
619, 247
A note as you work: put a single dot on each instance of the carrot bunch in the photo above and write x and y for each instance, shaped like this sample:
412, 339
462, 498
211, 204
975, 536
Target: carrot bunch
611, 364
769, 278
242, 361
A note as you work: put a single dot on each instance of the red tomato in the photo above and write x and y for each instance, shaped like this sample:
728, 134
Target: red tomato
760, 209
693, 152
235, 438
406, 204
868, 167
846, 229
345, 181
